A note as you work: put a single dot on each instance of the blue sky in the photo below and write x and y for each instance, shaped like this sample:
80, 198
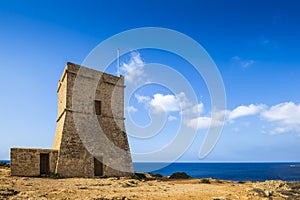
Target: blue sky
255, 45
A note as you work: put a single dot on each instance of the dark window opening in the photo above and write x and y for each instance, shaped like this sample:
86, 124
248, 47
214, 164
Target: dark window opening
98, 107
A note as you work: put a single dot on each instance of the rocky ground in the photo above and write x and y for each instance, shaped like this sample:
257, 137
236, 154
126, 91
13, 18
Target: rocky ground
126, 188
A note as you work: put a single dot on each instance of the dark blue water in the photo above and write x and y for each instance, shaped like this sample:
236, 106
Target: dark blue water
5, 161
229, 171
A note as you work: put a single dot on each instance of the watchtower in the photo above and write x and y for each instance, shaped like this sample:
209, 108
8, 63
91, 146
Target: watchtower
90, 137
85, 127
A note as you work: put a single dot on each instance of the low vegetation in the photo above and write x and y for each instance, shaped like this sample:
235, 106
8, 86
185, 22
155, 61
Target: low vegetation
54, 176
139, 176
156, 175
205, 181
3, 164
179, 175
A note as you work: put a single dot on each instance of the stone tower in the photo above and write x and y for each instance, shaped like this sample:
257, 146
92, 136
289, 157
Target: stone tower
90, 137
82, 149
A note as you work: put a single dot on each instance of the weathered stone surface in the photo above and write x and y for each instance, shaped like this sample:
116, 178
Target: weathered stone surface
26, 162
81, 135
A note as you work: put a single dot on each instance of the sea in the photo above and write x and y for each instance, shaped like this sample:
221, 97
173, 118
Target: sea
228, 171
287, 171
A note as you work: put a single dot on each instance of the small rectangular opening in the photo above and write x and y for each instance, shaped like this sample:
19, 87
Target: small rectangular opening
98, 166
44, 164
98, 107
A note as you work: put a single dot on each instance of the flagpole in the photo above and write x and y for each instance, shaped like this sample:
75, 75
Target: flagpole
118, 62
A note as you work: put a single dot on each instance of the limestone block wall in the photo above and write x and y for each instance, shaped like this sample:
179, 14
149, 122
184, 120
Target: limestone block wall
74, 159
26, 161
110, 91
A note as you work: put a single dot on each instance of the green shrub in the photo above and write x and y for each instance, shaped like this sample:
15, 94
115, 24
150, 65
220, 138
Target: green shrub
205, 181
54, 175
3, 164
156, 175
179, 175
139, 176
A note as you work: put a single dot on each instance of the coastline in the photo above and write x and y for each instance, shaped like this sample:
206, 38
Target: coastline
152, 188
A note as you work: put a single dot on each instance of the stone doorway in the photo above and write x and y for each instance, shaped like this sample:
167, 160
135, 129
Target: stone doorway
44, 164
98, 166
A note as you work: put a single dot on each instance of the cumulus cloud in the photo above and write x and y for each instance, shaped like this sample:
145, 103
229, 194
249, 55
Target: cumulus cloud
282, 118
203, 123
242, 111
179, 103
134, 69
220, 117
285, 115
170, 103
175, 103
167, 103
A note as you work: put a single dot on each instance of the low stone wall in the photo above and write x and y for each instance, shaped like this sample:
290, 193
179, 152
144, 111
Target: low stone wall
26, 161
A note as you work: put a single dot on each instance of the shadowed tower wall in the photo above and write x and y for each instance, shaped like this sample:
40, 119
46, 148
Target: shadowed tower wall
84, 150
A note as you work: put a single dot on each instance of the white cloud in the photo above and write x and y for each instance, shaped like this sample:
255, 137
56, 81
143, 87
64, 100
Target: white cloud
203, 123
183, 100
195, 109
161, 102
287, 113
247, 63
199, 123
167, 103
286, 116
134, 69
244, 63
172, 118
131, 109
172, 103
282, 118
220, 114
242, 111
279, 130
198, 108
179, 103
142, 99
